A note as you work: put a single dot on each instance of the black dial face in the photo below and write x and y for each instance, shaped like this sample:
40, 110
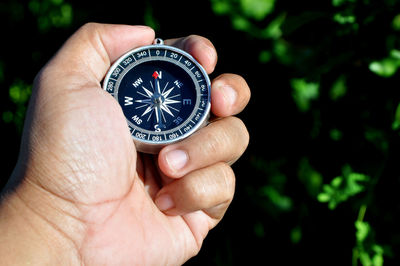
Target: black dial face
163, 92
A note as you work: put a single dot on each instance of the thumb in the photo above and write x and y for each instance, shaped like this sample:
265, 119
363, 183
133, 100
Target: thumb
90, 51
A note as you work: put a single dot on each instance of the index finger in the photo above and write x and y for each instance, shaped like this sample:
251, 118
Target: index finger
200, 48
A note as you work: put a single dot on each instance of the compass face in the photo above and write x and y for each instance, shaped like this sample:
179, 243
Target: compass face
164, 94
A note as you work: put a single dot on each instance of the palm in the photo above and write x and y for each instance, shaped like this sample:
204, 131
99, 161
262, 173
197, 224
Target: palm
122, 221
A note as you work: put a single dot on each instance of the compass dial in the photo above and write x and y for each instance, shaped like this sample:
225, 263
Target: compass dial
164, 94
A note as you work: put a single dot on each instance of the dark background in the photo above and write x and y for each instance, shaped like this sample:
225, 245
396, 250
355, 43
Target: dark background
319, 182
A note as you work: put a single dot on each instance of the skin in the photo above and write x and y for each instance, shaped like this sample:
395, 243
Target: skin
81, 193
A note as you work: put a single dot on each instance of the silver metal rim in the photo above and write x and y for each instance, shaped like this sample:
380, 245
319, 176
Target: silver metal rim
151, 146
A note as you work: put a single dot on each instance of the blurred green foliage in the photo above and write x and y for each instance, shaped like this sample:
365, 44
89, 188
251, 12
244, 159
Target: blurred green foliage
51, 13
19, 93
388, 66
324, 78
342, 187
328, 51
366, 249
304, 92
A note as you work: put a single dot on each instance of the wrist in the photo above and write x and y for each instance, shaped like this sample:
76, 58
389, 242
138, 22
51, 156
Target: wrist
34, 230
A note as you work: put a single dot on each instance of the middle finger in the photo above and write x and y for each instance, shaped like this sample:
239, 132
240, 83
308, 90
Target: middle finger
221, 141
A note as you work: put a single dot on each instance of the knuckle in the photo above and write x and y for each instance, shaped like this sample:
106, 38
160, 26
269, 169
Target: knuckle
92, 33
197, 194
228, 182
227, 138
214, 143
242, 137
89, 27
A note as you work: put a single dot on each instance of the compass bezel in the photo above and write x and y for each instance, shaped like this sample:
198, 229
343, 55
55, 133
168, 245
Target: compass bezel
151, 141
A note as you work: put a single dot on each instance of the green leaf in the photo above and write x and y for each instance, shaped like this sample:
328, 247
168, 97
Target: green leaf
377, 259
273, 30
344, 19
281, 51
282, 202
363, 230
241, 23
257, 9
19, 92
221, 7
149, 18
396, 122
395, 54
304, 92
57, 2
337, 181
337, 3
342, 187
366, 250
386, 67
310, 177
339, 88
396, 22
324, 197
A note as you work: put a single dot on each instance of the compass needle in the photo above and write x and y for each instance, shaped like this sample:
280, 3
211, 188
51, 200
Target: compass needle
147, 110
149, 93
152, 111
178, 95
166, 109
168, 92
162, 93
169, 101
141, 106
141, 93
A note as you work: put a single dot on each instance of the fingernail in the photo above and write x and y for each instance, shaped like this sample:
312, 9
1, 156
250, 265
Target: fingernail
176, 159
164, 202
229, 94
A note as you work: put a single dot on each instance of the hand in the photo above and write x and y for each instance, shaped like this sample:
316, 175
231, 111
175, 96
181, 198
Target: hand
85, 196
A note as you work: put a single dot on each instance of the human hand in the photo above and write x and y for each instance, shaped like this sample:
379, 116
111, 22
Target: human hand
85, 195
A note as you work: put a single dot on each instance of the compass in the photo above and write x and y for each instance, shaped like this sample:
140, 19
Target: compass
164, 94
